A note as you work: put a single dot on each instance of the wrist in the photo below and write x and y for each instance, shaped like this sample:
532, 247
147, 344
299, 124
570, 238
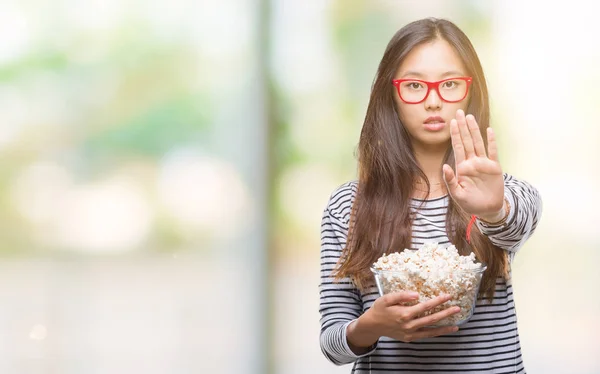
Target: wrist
499, 217
362, 332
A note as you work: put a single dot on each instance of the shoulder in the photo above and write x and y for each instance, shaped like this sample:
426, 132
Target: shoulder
511, 179
340, 201
514, 183
522, 195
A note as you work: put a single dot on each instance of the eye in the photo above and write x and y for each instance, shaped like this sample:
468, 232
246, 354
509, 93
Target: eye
413, 85
450, 84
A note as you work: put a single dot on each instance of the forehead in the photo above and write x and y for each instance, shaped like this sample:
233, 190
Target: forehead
431, 61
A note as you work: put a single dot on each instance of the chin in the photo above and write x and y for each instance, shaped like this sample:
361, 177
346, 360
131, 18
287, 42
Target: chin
436, 144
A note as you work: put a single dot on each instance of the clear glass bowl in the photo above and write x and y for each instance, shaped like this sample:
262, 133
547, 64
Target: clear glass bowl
462, 285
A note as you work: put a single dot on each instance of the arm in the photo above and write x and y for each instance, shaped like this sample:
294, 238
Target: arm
523, 217
481, 189
340, 303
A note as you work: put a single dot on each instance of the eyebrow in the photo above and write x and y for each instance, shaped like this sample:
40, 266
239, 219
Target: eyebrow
451, 73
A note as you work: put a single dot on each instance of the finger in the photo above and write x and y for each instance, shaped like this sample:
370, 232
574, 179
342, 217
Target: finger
457, 144
416, 310
475, 132
492, 146
451, 180
399, 297
432, 319
464, 134
432, 332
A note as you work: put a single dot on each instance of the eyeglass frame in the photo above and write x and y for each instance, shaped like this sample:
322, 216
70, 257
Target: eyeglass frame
430, 86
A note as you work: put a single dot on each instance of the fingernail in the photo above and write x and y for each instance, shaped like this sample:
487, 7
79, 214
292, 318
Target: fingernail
455, 329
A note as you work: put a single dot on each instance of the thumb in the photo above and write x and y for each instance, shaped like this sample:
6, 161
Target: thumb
450, 179
394, 298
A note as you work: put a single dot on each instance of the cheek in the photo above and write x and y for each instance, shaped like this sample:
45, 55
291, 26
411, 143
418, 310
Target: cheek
406, 112
398, 105
465, 103
452, 108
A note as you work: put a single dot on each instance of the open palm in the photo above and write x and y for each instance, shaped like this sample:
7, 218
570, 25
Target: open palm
478, 184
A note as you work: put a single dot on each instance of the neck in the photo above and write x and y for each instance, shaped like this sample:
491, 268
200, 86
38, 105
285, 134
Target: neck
431, 161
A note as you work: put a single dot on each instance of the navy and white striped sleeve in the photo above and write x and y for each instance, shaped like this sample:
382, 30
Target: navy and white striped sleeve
523, 218
340, 301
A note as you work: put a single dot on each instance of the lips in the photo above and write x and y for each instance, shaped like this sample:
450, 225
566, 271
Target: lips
434, 123
434, 120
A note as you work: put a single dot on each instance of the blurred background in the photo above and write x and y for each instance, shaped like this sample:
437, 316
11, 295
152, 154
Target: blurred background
164, 166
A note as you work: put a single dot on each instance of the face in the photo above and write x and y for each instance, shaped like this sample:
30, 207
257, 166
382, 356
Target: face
428, 122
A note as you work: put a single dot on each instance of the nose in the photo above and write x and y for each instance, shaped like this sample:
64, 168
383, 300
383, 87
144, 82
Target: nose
433, 100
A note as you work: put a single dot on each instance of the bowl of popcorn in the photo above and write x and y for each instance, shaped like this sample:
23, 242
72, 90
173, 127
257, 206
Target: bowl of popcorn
432, 270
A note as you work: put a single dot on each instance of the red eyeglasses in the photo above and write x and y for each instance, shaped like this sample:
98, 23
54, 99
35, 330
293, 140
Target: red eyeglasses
415, 91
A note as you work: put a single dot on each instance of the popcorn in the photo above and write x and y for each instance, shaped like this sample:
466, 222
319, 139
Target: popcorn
432, 270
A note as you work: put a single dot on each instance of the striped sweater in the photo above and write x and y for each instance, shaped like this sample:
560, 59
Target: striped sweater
487, 343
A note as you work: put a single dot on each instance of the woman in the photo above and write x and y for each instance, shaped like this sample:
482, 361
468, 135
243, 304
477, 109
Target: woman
427, 172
